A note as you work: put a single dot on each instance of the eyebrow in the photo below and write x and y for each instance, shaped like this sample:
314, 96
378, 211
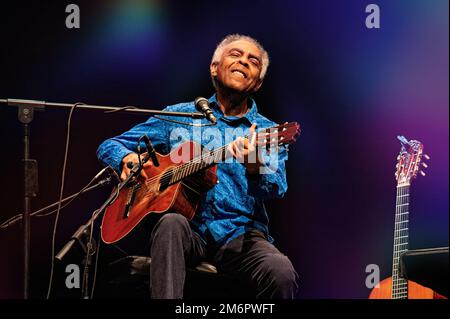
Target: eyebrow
242, 52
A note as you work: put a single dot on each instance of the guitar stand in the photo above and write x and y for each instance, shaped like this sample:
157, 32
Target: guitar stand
427, 267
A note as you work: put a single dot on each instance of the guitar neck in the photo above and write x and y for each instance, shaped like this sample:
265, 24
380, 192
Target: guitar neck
268, 137
205, 160
400, 285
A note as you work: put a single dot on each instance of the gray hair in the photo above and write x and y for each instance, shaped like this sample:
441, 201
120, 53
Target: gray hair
236, 37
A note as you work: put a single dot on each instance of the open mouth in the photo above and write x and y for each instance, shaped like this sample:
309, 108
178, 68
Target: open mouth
240, 73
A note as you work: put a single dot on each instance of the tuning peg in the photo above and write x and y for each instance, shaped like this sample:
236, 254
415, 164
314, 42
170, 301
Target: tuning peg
426, 156
422, 173
424, 165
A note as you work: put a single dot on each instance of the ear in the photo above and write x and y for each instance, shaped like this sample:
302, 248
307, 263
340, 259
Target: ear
258, 85
213, 69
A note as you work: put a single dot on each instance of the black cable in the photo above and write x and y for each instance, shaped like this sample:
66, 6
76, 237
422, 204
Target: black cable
183, 123
17, 217
122, 109
39, 213
60, 197
85, 283
71, 200
162, 118
139, 153
89, 253
96, 264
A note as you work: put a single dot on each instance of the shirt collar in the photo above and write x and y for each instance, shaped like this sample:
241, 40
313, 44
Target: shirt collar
250, 116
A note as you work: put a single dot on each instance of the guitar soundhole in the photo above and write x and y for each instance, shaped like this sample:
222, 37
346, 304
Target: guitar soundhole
166, 180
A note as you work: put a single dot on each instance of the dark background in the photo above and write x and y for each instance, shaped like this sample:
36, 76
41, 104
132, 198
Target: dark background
352, 89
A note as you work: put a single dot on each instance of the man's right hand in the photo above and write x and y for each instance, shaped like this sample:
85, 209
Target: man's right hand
133, 157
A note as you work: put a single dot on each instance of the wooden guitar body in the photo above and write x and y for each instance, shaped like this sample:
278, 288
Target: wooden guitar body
156, 196
178, 183
415, 291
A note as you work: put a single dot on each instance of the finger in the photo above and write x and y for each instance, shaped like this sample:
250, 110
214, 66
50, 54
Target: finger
253, 134
123, 176
230, 149
241, 143
146, 166
143, 155
250, 146
238, 154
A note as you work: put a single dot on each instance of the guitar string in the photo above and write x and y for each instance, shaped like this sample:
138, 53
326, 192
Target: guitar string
399, 285
187, 166
180, 171
167, 175
394, 272
403, 217
177, 170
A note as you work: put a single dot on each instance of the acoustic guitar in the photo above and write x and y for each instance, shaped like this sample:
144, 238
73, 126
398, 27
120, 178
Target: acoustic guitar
177, 185
409, 163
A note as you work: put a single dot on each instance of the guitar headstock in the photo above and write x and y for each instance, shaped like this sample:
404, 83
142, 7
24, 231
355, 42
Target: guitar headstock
409, 161
283, 134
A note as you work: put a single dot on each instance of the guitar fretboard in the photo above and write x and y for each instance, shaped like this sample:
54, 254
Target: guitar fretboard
400, 285
268, 137
199, 163
204, 160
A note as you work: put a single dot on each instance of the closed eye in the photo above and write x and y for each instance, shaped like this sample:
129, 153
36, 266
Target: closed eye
255, 62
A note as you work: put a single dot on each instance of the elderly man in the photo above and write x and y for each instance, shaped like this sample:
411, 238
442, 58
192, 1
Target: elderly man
230, 227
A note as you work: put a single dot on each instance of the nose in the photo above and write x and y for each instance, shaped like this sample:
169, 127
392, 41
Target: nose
244, 61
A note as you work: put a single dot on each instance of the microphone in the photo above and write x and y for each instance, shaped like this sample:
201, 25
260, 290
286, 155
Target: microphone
202, 105
151, 153
150, 150
113, 174
110, 172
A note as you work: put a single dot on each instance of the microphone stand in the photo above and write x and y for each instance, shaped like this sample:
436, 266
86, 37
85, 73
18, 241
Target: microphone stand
26, 110
86, 228
30, 183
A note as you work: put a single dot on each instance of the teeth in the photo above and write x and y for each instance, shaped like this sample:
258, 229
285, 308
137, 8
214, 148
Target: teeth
241, 73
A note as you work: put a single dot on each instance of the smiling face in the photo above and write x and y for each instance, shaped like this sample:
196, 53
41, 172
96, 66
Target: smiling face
239, 68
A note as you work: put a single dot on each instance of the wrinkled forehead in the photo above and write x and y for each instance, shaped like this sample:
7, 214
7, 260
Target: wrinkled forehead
245, 46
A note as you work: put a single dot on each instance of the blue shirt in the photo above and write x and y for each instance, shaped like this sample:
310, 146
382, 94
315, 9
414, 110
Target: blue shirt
236, 204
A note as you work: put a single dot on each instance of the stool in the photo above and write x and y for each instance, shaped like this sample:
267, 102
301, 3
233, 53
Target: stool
129, 277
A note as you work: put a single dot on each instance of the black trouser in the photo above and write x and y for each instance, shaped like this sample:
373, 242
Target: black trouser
251, 257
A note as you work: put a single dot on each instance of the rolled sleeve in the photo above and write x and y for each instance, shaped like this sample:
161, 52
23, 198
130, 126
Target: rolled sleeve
113, 150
